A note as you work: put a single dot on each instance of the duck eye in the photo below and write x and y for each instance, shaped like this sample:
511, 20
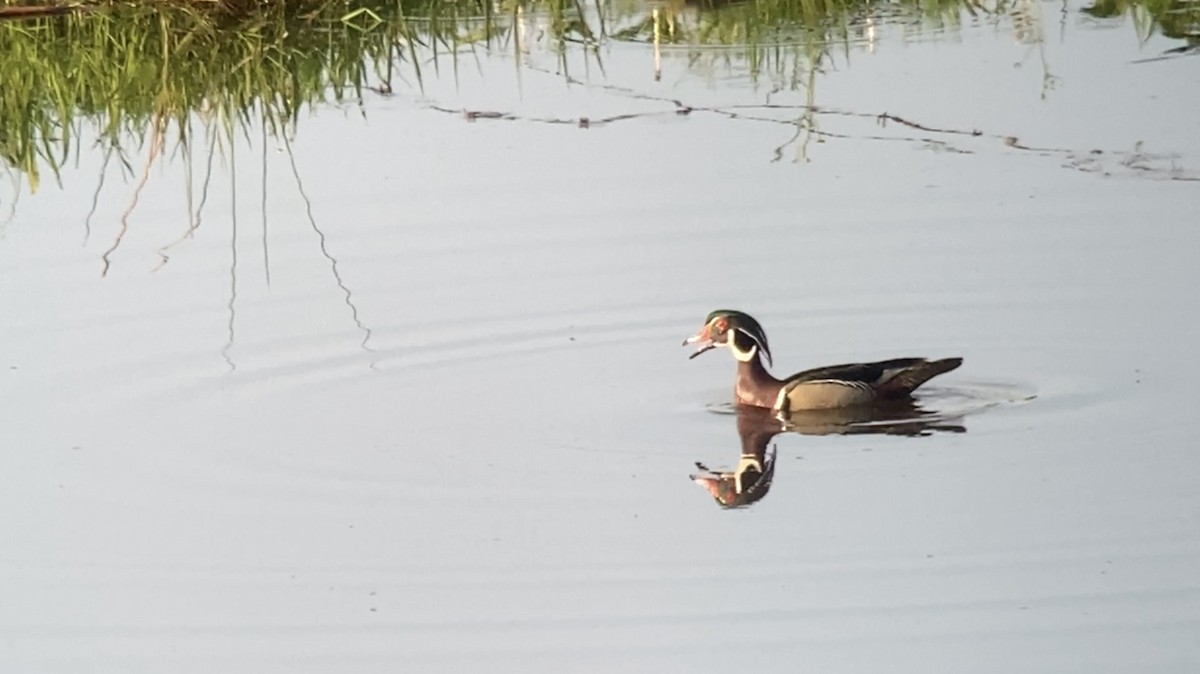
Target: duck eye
721, 325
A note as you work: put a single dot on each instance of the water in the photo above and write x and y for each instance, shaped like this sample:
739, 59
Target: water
444, 422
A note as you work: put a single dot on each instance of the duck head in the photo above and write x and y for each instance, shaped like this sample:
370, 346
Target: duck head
743, 486
736, 330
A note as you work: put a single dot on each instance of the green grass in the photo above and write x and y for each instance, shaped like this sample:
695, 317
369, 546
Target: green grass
1179, 19
148, 70
133, 68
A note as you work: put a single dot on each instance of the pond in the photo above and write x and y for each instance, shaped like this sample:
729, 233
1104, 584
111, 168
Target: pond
348, 338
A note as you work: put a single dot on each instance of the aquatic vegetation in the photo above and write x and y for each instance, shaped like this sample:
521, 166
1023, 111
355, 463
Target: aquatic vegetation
132, 69
1178, 19
149, 72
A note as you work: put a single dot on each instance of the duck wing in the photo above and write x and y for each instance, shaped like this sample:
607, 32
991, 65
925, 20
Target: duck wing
897, 376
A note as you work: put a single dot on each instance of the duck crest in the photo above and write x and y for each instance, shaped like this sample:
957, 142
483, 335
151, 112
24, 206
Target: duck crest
745, 333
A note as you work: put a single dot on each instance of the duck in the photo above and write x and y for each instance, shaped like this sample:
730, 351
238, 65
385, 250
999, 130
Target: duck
751, 480
821, 388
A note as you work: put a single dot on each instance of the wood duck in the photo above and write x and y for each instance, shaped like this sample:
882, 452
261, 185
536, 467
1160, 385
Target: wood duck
827, 387
751, 480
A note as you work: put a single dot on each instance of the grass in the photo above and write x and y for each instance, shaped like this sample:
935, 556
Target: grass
140, 70
1179, 19
133, 68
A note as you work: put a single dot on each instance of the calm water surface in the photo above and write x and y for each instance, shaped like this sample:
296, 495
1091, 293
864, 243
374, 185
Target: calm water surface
431, 411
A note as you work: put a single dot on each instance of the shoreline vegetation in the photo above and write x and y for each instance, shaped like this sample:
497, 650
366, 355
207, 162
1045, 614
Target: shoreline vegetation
145, 72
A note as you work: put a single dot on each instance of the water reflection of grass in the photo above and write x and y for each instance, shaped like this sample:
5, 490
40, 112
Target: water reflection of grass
768, 23
1179, 19
127, 70
131, 69
135, 70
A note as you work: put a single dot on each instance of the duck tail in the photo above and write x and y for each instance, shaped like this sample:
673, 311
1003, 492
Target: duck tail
913, 376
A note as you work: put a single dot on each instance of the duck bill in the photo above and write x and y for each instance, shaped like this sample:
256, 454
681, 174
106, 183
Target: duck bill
710, 483
718, 487
703, 339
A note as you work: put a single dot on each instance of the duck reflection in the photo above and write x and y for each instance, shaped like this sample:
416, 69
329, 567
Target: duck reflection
751, 480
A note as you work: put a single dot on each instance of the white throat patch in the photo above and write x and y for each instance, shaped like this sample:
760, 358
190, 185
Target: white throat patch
743, 356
